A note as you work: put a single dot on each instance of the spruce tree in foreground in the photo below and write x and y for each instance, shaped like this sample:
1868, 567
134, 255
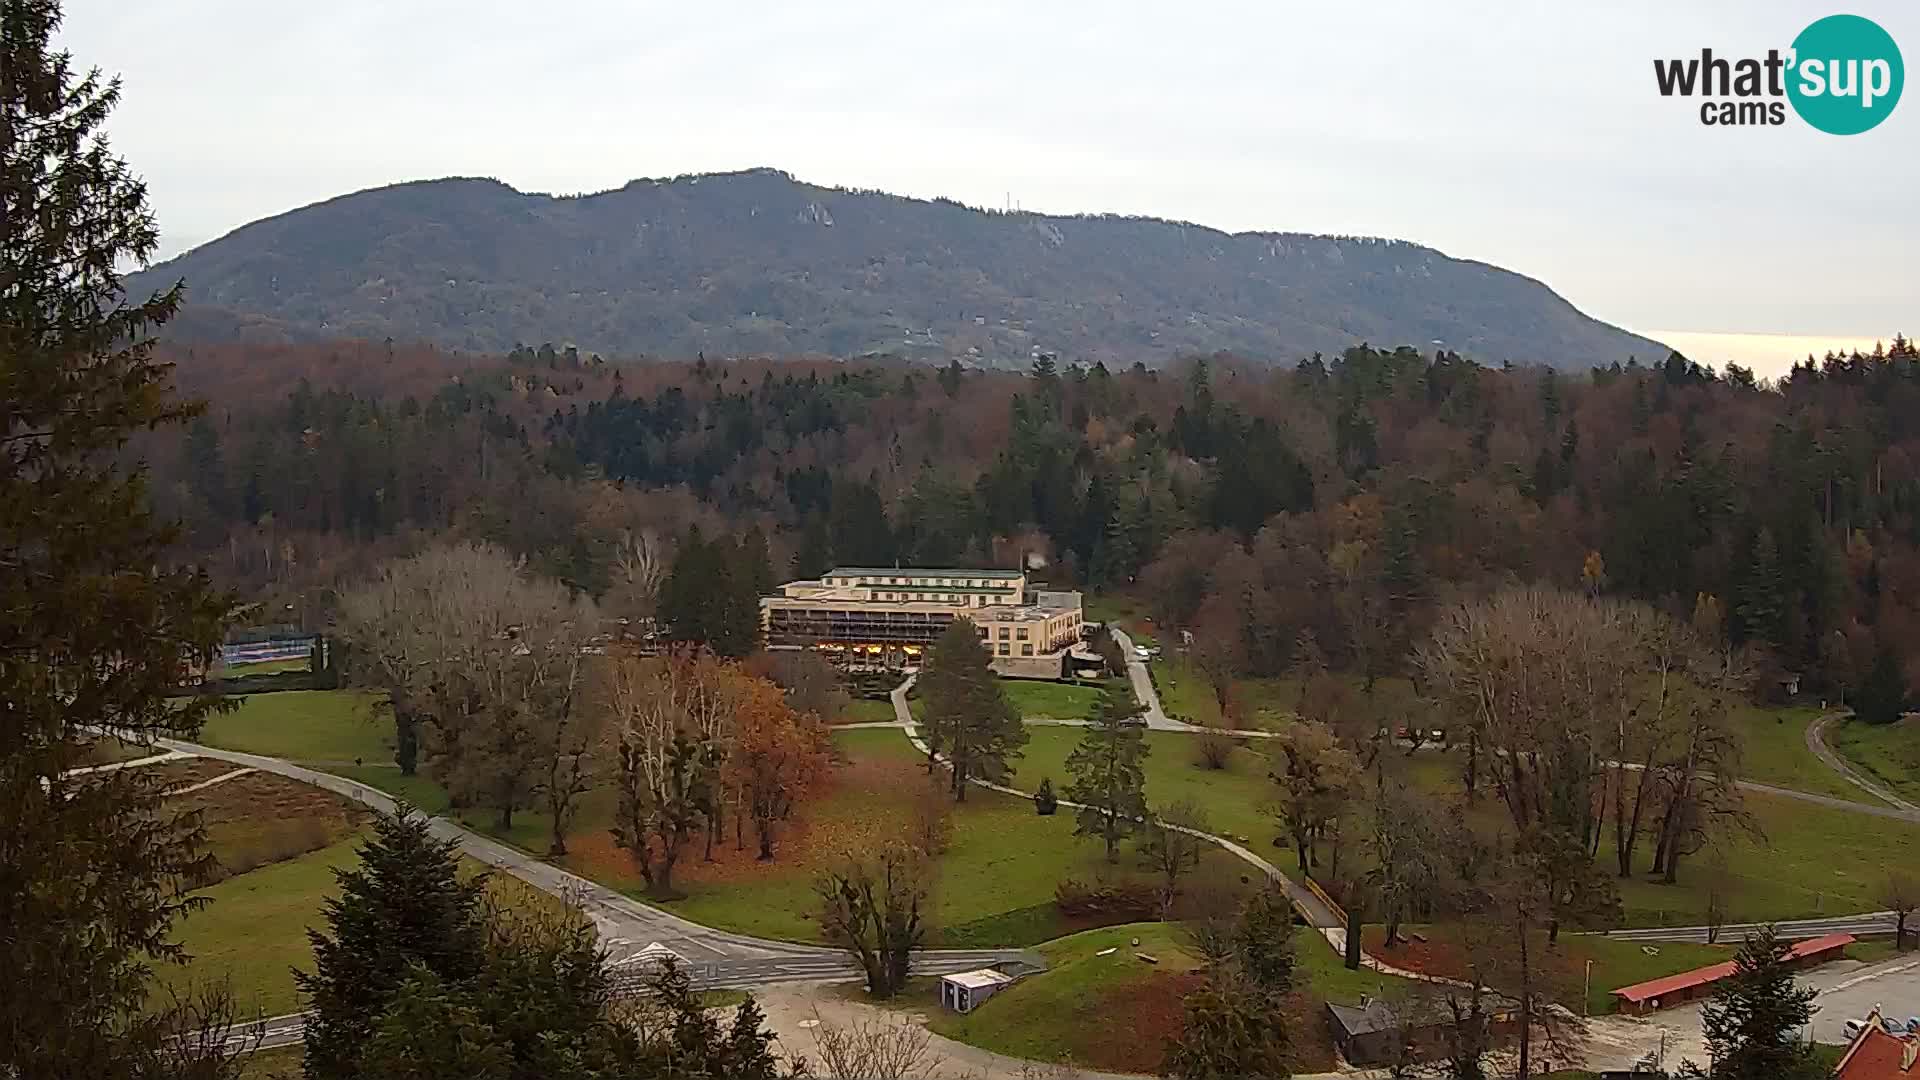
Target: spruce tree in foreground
95, 627
1754, 1021
1109, 778
402, 914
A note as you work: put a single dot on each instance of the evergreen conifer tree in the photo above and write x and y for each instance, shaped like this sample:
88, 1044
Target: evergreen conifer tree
403, 913
96, 626
1107, 770
968, 716
1882, 696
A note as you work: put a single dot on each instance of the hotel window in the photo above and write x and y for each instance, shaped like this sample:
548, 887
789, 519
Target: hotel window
1003, 633
1021, 634
1026, 650
1003, 648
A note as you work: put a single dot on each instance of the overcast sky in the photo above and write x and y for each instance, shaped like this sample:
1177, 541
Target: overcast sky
1529, 135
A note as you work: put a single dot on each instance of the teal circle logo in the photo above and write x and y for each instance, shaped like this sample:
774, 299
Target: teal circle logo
1846, 75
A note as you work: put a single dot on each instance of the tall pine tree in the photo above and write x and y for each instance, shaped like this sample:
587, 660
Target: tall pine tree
1754, 1020
1107, 770
95, 626
403, 912
968, 716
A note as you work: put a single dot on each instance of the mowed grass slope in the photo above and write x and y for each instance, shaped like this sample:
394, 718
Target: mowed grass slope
1775, 752
1051, 700
319, 726
1888, 754
253, 931
1116, 1011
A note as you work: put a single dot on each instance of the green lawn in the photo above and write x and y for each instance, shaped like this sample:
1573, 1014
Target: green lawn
278, 1063
255, 930
1110, 607
1886, 753
1624, 963
1069, 1010
994, 887
1051, 700
868, 710
1776, 753
1050, 1017
331, 726
1807, 861
1184, 692
1233, 798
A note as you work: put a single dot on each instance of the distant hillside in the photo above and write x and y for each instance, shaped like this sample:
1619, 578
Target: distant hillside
757, 262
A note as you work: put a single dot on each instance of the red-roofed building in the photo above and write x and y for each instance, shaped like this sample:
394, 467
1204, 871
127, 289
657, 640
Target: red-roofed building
1876, 1055
1692, 985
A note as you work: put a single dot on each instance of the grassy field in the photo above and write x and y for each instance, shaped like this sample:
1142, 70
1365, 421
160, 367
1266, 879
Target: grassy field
1233, 798
254, 931
1615, 963
279, 1063
1776, 753
1886, 753
1184, 692
329, 726
989, 891
868, 710
1806, 861
1051, 700
1074, 1010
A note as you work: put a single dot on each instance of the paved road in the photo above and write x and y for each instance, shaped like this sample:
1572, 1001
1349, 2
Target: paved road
1817, 743
1873, 922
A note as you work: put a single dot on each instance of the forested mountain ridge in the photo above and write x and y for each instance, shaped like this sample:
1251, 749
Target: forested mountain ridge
758, 263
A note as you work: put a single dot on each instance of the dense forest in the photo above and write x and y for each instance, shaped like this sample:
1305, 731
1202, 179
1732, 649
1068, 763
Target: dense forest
1329, 506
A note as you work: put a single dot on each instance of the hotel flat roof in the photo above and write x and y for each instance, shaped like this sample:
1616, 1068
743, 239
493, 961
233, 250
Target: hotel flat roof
911, 571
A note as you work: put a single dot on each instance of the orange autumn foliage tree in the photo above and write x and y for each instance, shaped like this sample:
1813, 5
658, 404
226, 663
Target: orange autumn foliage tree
778, 755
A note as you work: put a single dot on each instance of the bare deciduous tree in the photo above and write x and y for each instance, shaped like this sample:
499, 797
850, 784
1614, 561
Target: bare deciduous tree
672, 717
487, 662
1900, 892
1317, 778
874, 905
1172, 846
